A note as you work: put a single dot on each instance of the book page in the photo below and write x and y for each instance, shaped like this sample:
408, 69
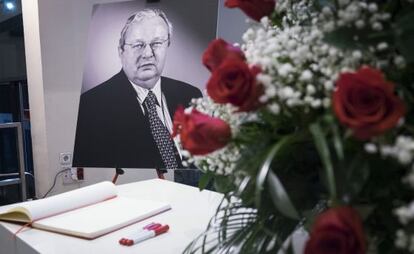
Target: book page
66, 201
104, 217
17, 214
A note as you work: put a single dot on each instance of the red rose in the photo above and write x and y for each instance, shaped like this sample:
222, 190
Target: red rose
199, 133
365, 102
337, 231
217, 51
234, 82
255, 9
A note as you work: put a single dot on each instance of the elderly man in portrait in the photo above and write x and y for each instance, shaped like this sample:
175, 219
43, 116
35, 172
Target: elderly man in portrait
126, 121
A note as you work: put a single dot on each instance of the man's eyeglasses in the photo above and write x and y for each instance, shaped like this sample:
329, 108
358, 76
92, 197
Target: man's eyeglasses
140, 46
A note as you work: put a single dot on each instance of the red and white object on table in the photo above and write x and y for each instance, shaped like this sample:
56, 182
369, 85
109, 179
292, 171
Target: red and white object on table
149, 231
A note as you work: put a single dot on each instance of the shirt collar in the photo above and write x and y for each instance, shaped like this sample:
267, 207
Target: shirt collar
143, 92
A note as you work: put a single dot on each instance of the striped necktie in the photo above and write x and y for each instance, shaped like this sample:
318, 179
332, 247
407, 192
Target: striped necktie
160, 133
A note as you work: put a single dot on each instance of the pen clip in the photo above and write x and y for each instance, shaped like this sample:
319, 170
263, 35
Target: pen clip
152, 226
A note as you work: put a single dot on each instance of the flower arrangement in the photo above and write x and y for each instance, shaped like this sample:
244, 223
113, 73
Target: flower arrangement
309, 125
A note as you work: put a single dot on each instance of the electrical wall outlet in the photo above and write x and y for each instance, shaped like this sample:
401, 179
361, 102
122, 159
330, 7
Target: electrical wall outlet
72, 175
65, 159
67, 176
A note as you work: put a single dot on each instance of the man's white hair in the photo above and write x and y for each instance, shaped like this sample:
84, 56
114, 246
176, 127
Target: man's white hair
140, 15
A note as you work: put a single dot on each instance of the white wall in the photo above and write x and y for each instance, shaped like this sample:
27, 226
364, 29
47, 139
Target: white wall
56, 34
231, 23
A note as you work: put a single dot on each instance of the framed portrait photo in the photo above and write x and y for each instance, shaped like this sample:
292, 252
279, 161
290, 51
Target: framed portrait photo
143, 61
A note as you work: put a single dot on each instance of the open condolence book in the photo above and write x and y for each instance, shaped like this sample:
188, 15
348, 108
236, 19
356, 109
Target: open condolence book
87, 212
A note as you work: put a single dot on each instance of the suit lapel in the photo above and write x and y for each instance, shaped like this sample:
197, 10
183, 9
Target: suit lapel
131, 107
127, 94
167, 88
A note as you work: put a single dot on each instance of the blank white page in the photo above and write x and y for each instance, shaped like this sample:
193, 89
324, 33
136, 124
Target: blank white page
104, 217
69, 200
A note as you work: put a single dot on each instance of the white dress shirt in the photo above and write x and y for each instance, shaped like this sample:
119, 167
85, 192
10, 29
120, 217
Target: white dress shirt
162, 108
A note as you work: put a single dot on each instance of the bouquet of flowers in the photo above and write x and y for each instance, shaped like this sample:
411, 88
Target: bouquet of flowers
309, 125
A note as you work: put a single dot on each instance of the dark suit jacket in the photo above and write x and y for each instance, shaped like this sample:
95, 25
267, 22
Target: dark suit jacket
113, 132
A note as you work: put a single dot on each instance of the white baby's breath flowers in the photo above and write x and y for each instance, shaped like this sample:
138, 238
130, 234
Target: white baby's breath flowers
299, 56
327, 11
357, 54
310, 89
285, 69
401, 240
402, 150
399, 61
306, 75
372, 7
222, 161
377, 26
404, 240
326, 102
370, 148
405, 214
362, 15
274, 108
360, 24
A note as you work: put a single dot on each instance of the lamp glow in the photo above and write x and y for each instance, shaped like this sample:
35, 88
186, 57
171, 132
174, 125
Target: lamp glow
9, 5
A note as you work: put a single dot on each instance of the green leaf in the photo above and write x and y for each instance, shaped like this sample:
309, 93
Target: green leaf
280, 198
337, 139
310, 217
341, 38
279, 195
323, 150
337, 142
239, 229
223, 184
289, 249
243, 185
205, 179
349, 38
357, 175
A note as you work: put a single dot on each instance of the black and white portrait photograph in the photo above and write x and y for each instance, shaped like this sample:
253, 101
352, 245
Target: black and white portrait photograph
143, 60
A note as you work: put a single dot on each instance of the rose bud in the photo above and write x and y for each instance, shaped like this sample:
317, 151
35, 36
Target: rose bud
200, 134
235, 83
217, 51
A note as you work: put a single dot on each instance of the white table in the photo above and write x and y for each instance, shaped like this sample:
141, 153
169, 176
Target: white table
189, 216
